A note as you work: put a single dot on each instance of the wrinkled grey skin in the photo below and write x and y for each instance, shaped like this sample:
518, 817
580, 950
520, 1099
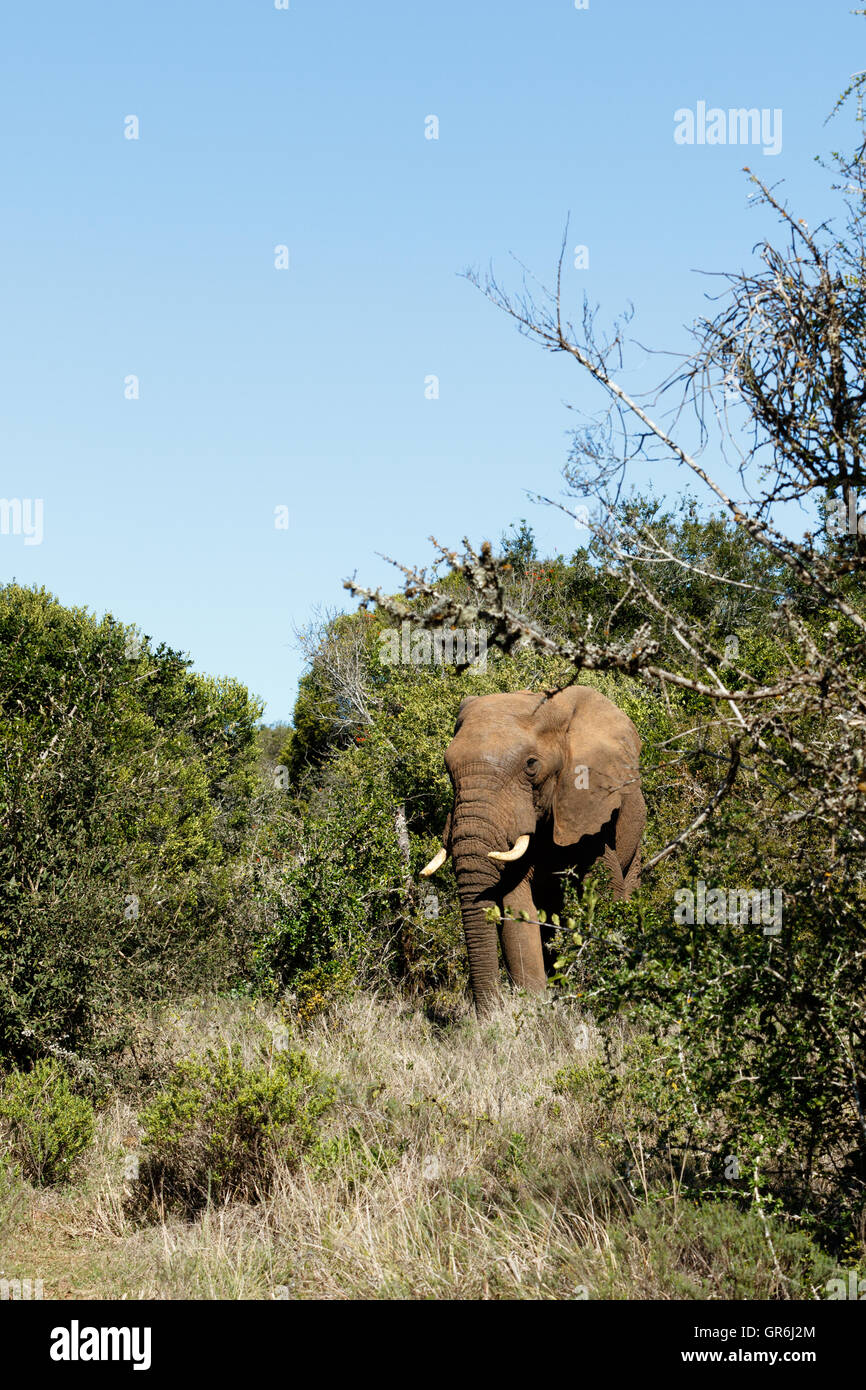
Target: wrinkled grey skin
562, 770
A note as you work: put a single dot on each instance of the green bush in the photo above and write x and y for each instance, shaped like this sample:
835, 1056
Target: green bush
715, 1251
740, 1046
320, 988
127, 790
220, 1129
47, 1125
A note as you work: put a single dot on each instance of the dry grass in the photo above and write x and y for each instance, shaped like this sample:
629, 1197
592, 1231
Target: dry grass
452, 1169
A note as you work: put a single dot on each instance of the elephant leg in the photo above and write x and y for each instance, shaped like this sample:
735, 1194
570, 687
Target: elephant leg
629, 833
623, 862
521, 941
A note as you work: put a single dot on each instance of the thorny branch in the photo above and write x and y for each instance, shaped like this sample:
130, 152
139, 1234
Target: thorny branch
781, 370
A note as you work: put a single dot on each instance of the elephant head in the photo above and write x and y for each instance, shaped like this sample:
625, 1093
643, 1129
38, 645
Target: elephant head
541, 784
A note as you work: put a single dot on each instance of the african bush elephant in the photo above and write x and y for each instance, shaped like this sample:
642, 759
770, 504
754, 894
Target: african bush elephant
541, 784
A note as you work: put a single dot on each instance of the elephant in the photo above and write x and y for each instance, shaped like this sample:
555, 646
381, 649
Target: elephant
542, 783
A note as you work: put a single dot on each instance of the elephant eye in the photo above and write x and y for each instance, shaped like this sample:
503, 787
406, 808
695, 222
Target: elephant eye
531, 764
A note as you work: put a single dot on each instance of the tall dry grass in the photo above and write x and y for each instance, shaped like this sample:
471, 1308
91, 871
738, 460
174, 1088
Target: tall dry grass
451, 1166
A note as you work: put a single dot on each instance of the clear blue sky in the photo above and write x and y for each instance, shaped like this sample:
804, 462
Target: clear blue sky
305, 387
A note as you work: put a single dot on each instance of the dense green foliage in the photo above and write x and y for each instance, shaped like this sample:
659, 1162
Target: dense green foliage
46, 1125
218, 1129
126, 790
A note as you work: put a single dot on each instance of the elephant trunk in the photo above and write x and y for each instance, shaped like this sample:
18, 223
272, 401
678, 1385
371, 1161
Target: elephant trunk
482, 949
474, 833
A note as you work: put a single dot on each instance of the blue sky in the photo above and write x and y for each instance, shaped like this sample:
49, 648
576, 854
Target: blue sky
305, 387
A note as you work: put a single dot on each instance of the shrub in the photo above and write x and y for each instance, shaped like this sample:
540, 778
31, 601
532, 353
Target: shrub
47, 1125
220, 1129
318, 989
748, 1043
715, 1251
127, 787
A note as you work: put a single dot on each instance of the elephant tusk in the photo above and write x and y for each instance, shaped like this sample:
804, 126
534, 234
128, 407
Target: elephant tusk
435, 863
508, 856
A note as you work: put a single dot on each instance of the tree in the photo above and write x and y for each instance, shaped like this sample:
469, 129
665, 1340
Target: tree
127, 785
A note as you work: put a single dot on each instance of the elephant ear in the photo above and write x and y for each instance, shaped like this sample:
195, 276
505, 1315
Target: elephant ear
600, 768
